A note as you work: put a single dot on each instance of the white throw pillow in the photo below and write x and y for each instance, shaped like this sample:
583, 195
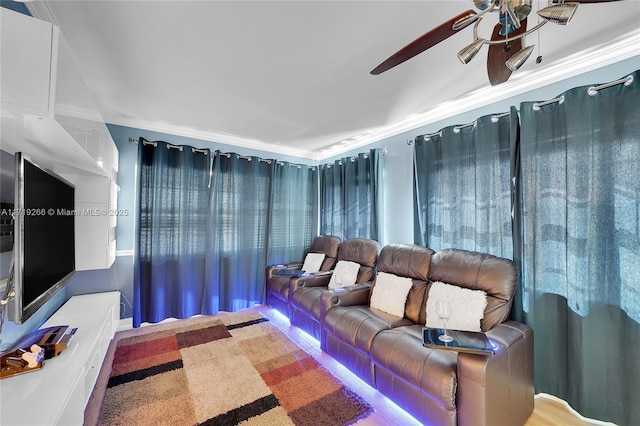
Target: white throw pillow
345, 274
467, 307
390, 293
313, 262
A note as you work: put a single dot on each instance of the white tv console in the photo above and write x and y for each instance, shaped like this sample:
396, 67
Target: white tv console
58, 393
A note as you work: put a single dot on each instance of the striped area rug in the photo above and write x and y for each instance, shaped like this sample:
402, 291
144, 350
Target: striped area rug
223, 370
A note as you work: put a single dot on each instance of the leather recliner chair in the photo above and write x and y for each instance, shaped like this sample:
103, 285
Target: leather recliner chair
305, 293
438, 387
351, 324
278, 285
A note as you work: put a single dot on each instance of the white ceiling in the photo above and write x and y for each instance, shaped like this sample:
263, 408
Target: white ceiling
293, 76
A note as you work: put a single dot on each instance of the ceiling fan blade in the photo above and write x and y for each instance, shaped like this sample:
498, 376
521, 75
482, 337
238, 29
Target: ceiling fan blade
422, 43
496, 58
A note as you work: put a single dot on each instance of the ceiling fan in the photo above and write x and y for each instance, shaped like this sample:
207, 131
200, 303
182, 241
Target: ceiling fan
506, 51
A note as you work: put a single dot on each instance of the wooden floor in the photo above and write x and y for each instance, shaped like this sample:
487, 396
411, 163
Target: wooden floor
548, 410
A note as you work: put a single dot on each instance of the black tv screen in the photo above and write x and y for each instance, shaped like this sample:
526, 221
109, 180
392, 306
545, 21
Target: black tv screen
44, 236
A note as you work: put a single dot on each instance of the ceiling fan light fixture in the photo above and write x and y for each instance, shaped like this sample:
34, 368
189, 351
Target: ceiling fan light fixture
483, 4
516, 61
558, 13
465, 22
506, 53
508, 16
467, 53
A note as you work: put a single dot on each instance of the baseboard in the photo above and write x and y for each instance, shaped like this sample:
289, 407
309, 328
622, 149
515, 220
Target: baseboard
125, 324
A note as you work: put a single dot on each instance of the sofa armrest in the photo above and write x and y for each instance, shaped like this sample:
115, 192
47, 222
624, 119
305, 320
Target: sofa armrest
321, 280
271, 270
357, 294
498, 389
316, 279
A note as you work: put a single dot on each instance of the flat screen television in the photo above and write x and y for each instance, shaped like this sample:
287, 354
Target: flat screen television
44, 237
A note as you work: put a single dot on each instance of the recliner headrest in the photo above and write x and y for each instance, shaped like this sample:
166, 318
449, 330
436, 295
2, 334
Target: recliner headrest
497, 276
362, 251
406, 260
329, 245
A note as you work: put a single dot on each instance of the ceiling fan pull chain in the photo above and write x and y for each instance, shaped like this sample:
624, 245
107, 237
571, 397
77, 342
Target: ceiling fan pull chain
539, 58
507, 43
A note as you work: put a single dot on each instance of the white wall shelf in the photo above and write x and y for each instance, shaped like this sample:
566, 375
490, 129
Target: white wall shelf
48, 113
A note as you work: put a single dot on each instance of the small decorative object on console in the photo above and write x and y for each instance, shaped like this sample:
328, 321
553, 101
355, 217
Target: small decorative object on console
21, 361
32, 350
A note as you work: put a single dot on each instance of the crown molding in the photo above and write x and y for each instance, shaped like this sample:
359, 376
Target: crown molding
227, 139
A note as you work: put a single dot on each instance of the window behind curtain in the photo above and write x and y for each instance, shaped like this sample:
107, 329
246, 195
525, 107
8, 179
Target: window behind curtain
462, 186
205, 228
349, 196
172, 231
581, 198
293, 212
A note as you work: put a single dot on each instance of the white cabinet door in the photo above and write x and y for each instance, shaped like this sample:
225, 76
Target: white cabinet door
95, 221
92, 236
25, 63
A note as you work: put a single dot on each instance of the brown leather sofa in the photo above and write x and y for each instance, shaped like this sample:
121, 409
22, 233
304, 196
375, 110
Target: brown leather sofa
438, 387
305, 293
278, 285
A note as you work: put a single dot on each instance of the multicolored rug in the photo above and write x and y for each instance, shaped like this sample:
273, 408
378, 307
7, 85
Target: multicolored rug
223, 370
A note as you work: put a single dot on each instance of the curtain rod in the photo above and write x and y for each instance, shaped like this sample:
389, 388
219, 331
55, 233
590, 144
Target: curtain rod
496, 117
227, 154
457, 129
592, 91
430, 135
538, 105
264, 160
353, 158
384, 150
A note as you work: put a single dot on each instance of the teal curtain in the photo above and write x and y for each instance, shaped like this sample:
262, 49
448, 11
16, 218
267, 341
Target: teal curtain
238, 230
580, 247
349, 196
207, 227
463, 186
171, 243
293, 212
